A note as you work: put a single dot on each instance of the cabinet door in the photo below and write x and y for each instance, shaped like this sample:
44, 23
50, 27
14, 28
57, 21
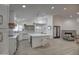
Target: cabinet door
12, 45
25, 36
44, 41
36, 42
4, 16
4, 41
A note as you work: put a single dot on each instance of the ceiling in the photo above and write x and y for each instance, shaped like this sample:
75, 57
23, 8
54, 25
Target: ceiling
34, 10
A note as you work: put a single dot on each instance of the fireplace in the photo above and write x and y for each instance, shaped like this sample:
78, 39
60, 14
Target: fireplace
69, 35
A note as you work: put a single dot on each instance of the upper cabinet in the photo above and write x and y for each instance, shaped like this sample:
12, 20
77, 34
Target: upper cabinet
4, 16
29, 28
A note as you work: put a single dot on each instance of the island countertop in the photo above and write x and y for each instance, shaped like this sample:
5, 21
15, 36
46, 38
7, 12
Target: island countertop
39, 34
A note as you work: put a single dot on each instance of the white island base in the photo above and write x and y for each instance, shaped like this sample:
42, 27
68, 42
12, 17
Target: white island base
38, 40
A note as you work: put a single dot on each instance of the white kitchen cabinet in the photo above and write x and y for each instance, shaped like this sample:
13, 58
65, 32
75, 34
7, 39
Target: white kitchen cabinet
4, 41
4, 30
4, 16
13, 44
25, 36
37, 40
45, 40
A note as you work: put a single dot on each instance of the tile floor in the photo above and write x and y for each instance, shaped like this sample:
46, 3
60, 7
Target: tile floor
56, 47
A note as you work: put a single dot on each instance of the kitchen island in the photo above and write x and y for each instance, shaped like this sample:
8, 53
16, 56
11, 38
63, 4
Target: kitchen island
13, 44
38, 40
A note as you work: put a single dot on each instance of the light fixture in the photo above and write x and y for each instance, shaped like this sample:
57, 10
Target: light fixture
40, 21
24, 6
71, 16
37, 27
77, 13
52, 7
65, 8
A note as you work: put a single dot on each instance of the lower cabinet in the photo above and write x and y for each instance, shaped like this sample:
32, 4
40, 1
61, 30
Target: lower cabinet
4, 39
13, 45
38, 41
44, 41
25, 36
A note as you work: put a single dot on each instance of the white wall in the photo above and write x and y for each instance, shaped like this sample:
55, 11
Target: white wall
65, 23
69, 24
77, 26
58, 21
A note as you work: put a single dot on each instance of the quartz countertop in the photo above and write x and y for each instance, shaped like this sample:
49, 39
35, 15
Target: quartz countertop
39, 34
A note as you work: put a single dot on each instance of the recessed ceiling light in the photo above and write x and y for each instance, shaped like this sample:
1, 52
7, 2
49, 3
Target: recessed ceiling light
65, 8
77, 13
71, 16
52, 7
24, 6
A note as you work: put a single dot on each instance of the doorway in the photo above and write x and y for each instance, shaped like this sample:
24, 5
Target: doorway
56, 31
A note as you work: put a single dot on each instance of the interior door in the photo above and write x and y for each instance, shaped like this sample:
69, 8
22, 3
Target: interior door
56, 31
